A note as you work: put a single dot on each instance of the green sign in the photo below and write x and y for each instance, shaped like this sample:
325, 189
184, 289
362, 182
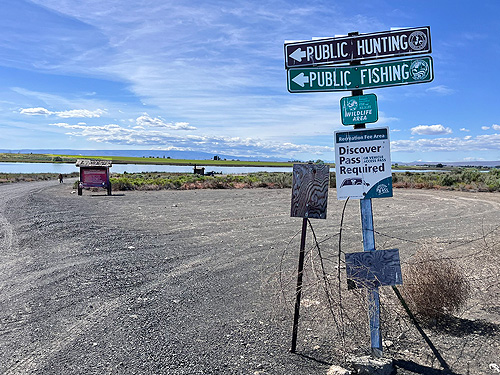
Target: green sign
359, 109
366, 76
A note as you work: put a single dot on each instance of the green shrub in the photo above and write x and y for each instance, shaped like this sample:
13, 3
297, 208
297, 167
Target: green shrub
448, 180
470, 176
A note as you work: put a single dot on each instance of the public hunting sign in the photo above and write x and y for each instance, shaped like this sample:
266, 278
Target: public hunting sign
381, 45
363, 164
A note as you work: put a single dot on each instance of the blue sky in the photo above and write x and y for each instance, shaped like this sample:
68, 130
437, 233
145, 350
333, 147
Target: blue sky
209, 76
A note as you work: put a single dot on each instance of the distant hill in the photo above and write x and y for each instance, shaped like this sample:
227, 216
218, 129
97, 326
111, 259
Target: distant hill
480, 163
194, 155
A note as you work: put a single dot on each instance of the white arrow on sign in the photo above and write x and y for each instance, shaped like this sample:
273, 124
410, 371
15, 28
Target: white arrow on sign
301, 79
298, 54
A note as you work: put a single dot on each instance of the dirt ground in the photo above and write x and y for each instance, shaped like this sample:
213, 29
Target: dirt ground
203, 281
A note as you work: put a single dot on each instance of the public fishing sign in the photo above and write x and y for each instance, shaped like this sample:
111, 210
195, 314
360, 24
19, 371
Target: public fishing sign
363, 163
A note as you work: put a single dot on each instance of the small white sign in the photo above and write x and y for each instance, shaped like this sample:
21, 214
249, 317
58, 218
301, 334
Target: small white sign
363, 163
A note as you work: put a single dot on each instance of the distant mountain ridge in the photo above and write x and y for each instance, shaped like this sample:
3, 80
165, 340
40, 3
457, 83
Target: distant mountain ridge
195, 155
476, 163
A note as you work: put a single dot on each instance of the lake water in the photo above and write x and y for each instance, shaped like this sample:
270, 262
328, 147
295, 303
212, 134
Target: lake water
137, 168
131, 168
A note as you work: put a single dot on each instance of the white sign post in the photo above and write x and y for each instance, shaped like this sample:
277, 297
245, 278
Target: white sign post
363, 164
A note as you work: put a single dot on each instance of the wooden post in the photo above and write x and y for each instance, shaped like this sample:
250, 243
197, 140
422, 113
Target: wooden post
299, 285
108, 186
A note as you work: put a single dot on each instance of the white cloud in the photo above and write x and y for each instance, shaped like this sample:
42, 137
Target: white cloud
495, 127
77, 113
147, 121
161, 139
473, 158
74, 113
485, 127
38, 111
68, 126
453, 144
464, 130
430, 130
441, 90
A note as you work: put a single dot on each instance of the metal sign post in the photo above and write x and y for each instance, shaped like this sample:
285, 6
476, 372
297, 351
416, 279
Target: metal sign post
298, 290
373, 294
365, 206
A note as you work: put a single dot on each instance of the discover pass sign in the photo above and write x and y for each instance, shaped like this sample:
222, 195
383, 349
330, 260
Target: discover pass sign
363, 163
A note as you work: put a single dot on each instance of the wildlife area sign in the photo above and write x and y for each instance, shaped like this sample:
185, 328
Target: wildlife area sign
363, 163
384, 44
358, 77
359, 109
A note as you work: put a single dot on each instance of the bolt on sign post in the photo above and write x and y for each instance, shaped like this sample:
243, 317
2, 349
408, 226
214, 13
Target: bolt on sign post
309, 200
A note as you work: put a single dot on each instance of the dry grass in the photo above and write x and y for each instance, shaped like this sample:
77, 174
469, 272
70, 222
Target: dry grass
434, 288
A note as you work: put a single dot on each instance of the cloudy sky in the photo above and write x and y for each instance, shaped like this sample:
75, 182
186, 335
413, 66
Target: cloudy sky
209, 76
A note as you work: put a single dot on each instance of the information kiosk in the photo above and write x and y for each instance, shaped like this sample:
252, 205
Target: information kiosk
94, 174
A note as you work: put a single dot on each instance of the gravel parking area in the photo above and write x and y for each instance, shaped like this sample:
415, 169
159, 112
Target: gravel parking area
184, 282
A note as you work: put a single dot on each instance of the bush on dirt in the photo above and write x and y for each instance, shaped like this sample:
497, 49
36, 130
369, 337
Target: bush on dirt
434, 288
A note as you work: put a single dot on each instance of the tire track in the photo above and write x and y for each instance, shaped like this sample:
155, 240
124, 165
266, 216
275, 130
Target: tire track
40, 355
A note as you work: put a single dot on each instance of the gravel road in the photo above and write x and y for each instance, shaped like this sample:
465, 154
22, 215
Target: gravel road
181, 282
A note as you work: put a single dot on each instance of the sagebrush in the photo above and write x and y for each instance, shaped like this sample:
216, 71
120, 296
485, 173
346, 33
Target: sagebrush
434, 287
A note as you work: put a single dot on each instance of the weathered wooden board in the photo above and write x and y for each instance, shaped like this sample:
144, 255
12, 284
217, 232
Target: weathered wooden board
370, 269
310, 190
